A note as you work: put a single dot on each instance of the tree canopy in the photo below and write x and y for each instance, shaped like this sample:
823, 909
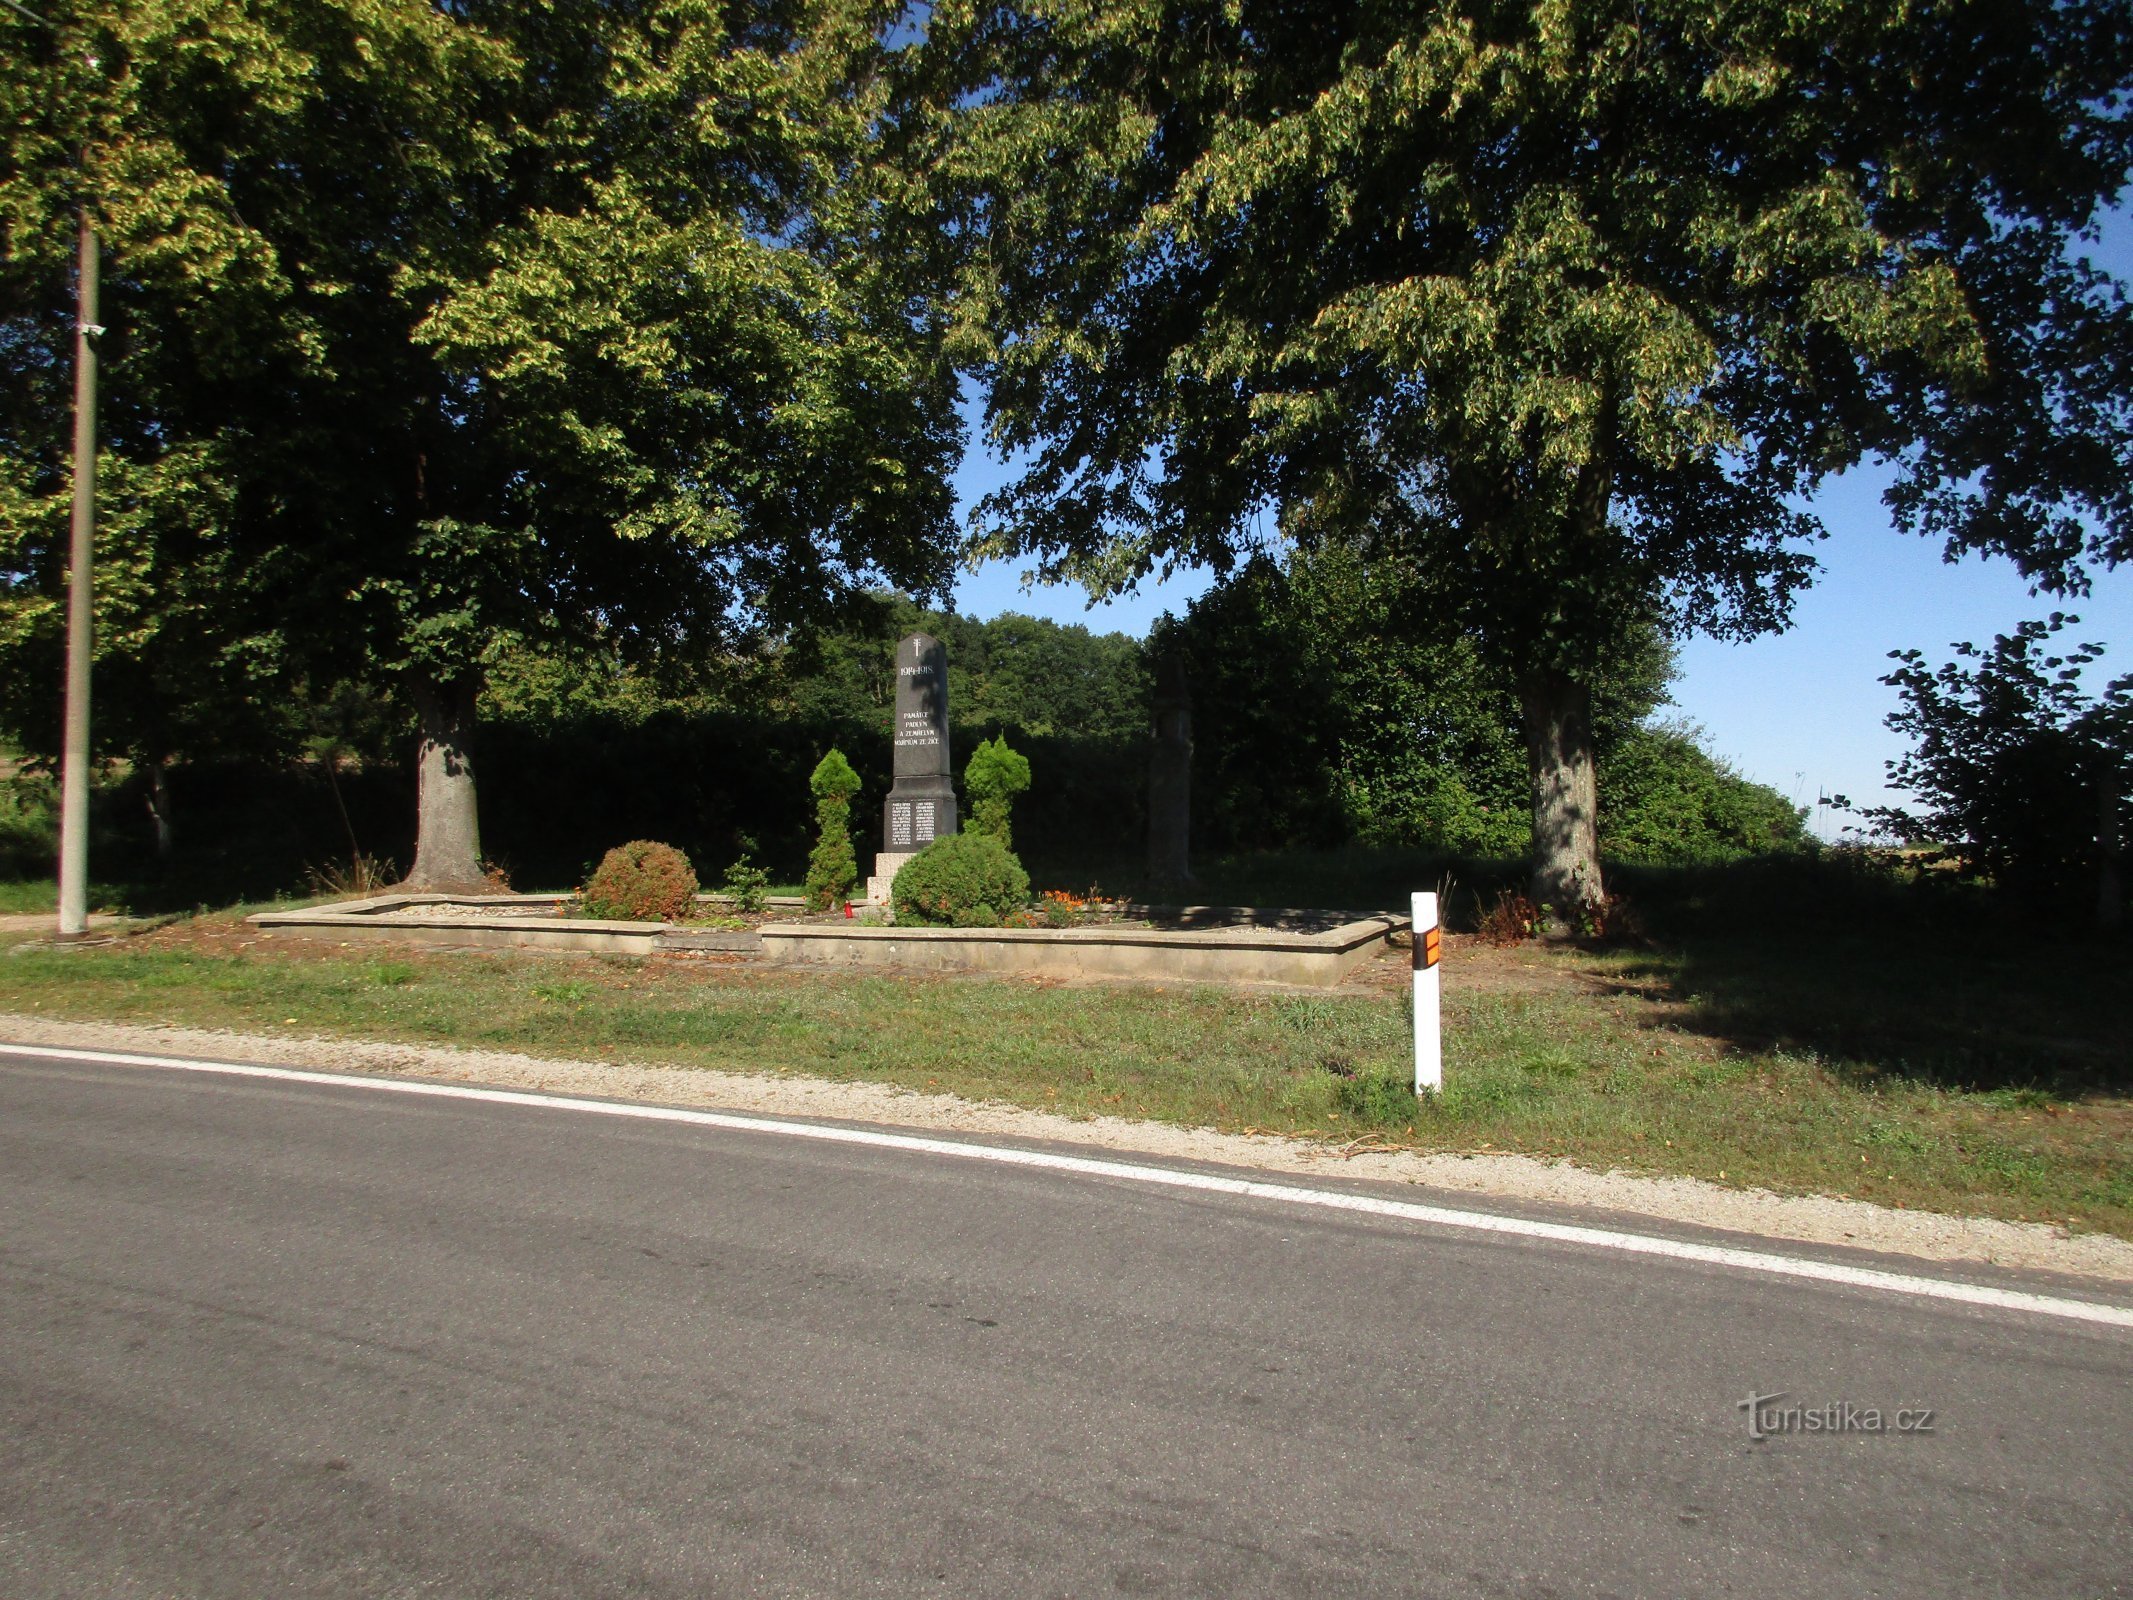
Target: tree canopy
1564, 304
449, 335
1030, 674
435, 326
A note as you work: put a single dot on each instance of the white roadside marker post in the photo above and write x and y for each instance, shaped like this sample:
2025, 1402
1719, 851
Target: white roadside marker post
1429, 1025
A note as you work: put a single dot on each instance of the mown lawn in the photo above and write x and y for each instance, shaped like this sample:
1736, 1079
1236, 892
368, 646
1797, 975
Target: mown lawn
1799, 1073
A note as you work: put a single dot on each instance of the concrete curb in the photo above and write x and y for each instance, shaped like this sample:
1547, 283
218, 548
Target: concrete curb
1239, 953
1203, 944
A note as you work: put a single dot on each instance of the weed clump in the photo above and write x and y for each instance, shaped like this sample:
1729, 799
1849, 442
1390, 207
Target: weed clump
642, 881
961, 880
1379, 1095
361, 878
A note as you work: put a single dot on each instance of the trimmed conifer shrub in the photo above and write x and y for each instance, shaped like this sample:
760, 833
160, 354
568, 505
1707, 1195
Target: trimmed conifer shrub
995, 775
832, 869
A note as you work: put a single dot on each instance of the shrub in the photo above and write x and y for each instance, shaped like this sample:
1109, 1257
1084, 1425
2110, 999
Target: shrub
832, 869
995, 775
961, 880
1511, 919
641, 881
29, 825
1670, 802
747, 885
2020, 770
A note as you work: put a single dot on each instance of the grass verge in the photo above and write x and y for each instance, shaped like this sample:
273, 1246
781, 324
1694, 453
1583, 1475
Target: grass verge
1608, 1060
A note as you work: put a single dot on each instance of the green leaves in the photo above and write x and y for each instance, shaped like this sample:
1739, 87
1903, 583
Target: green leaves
834, 780
1560, 307
1509, 269
994, 775
449, 325
2024, 774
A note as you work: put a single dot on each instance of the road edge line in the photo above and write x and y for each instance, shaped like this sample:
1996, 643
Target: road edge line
1758, 1261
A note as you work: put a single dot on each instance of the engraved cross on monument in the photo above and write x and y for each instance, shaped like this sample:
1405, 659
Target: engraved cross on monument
921, 803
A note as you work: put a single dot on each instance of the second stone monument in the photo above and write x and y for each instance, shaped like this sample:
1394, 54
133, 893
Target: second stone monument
921, 803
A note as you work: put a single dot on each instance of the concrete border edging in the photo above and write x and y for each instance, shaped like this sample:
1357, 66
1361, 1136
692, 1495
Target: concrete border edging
1208, 944
379, 918
1236, 953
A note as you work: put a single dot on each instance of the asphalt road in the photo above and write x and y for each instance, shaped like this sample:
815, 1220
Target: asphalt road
269, 1339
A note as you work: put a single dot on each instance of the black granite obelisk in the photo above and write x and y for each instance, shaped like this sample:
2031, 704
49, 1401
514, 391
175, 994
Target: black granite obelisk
921, 803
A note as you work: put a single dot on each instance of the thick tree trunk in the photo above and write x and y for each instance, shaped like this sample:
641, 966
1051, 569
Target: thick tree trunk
1170, 775
447, 832
1558, 717
159, 812
1566, 846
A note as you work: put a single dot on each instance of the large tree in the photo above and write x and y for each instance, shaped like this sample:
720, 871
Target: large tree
453, 323
1566, 304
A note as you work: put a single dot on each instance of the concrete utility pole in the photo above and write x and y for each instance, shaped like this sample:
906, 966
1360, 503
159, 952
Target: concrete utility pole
74, 756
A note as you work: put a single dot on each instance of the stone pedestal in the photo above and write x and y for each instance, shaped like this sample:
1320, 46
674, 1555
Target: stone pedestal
886, 865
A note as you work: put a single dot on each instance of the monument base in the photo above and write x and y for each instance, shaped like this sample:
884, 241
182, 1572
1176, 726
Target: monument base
917, 812
886, 865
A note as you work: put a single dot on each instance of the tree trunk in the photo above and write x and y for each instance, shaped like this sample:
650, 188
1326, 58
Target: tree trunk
1170, 775
331, 761
159, 811
447, 832
1566, 847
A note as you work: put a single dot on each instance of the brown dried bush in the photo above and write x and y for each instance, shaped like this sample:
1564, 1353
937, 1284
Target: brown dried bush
1510, 919
642, 881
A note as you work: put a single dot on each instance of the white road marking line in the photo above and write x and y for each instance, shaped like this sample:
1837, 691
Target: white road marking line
1165, 1177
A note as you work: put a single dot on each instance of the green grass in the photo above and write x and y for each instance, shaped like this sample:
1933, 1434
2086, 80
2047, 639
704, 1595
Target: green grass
35, 895
29, 823
1893, 980
19, 897
1654, 1060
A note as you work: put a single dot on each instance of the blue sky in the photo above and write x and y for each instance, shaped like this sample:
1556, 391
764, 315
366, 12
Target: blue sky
1801, 711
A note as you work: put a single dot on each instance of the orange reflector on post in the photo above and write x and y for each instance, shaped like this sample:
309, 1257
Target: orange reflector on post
1429, 1019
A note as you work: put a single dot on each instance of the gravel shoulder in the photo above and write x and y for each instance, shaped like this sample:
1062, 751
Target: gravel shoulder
1817, 1220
